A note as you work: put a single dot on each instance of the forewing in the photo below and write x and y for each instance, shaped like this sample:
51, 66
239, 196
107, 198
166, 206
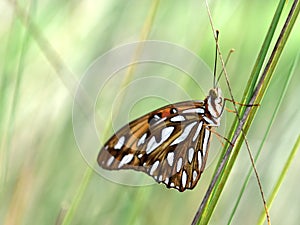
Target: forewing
170, 144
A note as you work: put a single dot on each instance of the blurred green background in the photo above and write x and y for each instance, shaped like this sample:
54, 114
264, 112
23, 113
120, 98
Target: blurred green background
46, 46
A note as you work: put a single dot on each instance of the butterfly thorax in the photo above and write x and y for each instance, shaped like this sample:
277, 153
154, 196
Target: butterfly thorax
215, 104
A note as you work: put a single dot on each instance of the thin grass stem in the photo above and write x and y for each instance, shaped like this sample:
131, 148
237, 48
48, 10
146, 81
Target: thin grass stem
219, 179
281, 177
277, 107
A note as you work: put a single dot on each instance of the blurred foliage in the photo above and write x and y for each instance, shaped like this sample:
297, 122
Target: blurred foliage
43, 55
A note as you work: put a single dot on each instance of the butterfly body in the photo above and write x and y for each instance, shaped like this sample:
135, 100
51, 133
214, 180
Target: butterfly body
170, 144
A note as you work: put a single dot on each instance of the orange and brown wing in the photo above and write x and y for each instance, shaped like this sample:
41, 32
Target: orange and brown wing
170, 144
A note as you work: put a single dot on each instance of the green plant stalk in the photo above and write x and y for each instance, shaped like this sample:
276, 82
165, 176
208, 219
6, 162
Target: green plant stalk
275, 55
256, 69
255, 72
249, 116
286, 84
262, 54
249, 89
281, 177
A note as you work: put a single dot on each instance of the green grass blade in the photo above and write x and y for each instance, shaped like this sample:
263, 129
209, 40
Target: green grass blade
262, 53
247, 117
286, 84
257, 67
291, 156
207, 212
281, 177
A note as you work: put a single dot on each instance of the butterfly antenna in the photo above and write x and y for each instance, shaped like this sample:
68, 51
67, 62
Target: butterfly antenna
226, 61
216, 59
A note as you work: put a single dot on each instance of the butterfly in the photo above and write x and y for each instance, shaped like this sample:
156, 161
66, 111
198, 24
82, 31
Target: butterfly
170, 144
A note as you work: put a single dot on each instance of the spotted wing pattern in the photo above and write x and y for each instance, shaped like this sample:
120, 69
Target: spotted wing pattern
170, 144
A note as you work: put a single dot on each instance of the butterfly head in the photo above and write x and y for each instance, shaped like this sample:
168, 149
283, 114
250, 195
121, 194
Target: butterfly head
215, 102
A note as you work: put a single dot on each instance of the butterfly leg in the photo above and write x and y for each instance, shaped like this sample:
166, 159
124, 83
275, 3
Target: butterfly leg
238, 103
229, 110
219, 136
241, 104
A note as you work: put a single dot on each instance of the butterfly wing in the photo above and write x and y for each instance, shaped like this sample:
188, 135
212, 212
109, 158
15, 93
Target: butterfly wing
170, 144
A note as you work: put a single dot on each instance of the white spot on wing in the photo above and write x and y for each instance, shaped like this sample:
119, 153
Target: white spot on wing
177, 118
172, 184
156, 117
152, 144
205, 141
142, 139
120, 143
199, 160
183, 178
195, 174
179, 164
109, 162
184, 134
160, 178
196, 110
170, 158
154, 167
167, 180
126, 159
198, 130
191, 154
165, 134
160, 120
208, 120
